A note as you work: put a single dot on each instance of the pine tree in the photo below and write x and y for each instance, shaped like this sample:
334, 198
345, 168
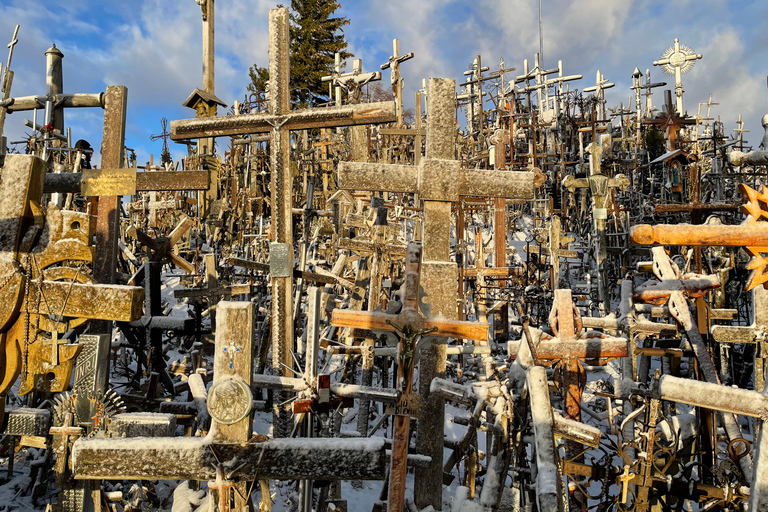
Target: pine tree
315, 37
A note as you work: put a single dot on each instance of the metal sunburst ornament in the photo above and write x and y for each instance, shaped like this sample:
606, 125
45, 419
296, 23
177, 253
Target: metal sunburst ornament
677, 60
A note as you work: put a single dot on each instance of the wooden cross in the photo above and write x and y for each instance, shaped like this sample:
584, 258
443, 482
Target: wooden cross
560, 79
541, 86
6, 79
279, 122
54, 100
230, 442
754, 333
556, 248
410, 326
381, 249
670, 121
752, 234
729, 401
161, 247
740, 131
569, 346
439, 181
21, 266
395, 79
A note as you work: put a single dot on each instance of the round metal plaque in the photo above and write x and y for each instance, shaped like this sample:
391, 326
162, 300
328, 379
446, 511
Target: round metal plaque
230, 400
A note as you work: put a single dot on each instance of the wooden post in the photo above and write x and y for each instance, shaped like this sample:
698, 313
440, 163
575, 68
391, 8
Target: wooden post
439, 282
232, 367
108, 219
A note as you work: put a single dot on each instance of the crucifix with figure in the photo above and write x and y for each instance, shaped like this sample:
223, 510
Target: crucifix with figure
279, 122
411, 327
440, 181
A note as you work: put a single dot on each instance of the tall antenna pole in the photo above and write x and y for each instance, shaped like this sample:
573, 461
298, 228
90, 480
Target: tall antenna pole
541, 39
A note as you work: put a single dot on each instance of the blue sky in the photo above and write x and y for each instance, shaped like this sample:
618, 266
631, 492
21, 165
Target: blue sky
154, 48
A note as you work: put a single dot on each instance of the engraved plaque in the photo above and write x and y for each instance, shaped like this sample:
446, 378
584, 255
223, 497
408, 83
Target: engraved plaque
280, 259
230, 400
108, 182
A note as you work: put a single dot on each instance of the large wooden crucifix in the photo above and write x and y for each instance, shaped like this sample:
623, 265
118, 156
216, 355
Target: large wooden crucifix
279, 122
440, 181
229, 456
395, 79
410, 326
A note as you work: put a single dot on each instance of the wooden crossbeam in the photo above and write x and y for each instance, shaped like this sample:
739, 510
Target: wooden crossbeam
278, 459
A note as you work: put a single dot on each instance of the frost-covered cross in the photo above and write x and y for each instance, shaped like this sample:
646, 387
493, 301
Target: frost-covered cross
279, 122
440, 181
601, 84
395, 79
671, 286
410, 326
231, 444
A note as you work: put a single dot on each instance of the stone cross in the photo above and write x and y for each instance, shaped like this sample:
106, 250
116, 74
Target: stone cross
439, 181
279, 122
676, 61
410, 326
395, 79
417, 132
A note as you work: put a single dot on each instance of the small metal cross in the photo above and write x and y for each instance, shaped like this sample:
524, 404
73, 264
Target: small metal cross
55, 342
231, 350
624, 478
